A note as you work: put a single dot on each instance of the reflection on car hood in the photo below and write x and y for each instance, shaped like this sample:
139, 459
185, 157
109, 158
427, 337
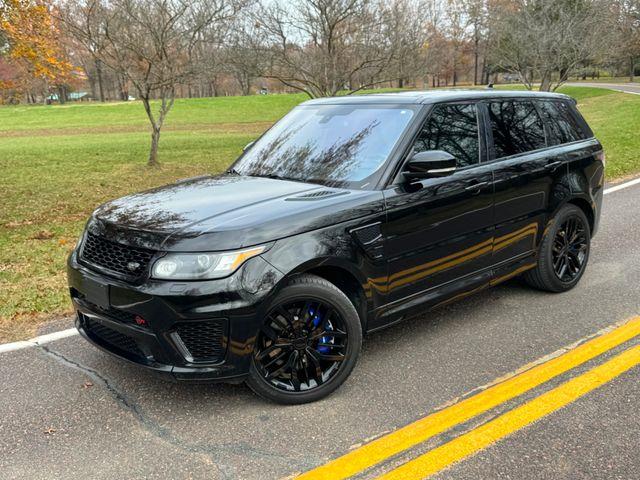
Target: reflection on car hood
228, 211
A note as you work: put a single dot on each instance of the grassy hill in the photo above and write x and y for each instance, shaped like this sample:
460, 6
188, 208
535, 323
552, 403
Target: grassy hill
59, 162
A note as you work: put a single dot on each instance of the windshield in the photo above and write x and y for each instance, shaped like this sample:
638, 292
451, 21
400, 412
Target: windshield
329, 144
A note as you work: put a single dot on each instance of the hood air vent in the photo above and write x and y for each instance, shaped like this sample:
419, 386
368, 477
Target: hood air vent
316, 195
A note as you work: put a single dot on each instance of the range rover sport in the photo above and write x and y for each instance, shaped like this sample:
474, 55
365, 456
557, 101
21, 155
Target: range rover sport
348, 215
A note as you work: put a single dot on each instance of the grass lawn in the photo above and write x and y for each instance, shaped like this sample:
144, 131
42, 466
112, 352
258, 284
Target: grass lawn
59, 162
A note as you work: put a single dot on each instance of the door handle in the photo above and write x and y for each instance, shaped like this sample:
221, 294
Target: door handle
553, 165
476, 187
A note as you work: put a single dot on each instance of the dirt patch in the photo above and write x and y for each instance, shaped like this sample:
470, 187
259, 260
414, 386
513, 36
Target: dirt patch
239, 128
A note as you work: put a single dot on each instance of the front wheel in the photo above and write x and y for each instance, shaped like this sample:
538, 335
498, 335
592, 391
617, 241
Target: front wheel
308, 344
564, 252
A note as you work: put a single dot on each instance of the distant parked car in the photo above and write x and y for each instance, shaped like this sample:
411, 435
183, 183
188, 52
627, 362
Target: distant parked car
348, 215
512, 78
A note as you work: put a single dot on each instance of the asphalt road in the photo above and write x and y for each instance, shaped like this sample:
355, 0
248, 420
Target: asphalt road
70, 411
621, 87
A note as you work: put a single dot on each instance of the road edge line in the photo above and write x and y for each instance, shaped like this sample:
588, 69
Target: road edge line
621, 186
36, 341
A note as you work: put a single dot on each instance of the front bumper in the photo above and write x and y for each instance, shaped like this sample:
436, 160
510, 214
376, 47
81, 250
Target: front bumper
199, 331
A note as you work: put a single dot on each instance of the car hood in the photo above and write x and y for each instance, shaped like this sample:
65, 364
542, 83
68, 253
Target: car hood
225, 212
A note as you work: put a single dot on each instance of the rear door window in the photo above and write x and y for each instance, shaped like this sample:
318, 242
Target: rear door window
563, 126
516, 127
454, 129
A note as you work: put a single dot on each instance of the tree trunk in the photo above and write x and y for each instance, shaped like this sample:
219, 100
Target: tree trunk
245, 84
632, 72
475, 59
153, 152
545, 83
100, 82
62, 95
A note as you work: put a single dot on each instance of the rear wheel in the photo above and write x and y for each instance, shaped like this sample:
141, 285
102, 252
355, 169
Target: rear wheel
564, 252
308, 344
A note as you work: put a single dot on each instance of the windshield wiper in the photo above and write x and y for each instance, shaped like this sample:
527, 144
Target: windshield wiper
233, 171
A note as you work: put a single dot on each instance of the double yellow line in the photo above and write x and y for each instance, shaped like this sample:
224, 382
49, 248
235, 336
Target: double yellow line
524, 380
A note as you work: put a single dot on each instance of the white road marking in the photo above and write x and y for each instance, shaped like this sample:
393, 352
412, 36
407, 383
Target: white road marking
615, 188
41, 340
52, 337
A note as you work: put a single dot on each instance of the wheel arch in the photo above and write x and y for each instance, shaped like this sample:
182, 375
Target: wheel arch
587, 208
344, 276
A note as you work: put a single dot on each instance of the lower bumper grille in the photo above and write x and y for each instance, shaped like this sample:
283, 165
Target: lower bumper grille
112, 337
206, 341
114, 313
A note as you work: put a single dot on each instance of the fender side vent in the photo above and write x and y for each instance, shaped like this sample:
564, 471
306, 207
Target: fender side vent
370, 238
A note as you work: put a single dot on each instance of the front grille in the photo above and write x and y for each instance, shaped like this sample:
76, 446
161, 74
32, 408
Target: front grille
115, 257
112, 338
205, 340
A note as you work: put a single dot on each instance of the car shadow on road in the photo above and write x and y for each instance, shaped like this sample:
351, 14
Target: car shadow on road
405, 370
413, 334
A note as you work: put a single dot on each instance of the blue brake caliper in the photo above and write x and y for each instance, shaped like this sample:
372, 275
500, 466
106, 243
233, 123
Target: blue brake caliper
315, 320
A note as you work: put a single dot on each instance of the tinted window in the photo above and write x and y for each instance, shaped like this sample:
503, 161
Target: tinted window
454, 129
328, 144
562, 124
516, 126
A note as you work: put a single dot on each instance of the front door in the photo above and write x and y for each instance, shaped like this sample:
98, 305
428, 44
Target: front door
439, 230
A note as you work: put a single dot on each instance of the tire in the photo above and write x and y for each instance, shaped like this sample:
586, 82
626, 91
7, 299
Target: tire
342, 338
545, 276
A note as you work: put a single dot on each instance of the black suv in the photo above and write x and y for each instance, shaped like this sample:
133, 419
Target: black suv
348, 215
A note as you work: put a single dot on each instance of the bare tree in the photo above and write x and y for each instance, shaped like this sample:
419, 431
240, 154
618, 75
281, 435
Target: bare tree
476, 12
150, 44
626, 24
244, 56
406, 24
546, 40
321, 47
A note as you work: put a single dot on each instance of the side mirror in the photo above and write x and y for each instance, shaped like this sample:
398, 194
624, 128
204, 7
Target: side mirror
432, 163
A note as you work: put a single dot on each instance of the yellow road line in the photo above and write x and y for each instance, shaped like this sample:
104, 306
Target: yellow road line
489, 433
417, 432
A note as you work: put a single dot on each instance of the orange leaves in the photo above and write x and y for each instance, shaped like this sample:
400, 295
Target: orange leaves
34, 39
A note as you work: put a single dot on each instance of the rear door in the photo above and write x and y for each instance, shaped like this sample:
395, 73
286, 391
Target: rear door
524, 171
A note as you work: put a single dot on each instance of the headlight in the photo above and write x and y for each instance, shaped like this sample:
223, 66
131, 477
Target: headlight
202, 266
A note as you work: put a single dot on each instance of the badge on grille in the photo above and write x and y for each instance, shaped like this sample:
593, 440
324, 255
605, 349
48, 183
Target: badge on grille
133, 266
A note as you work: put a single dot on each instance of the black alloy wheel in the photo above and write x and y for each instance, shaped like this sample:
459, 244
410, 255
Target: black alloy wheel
308, 343
563, 253
301, 345
569, 250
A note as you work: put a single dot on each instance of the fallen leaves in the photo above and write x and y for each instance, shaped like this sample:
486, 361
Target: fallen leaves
42, 235
16, 224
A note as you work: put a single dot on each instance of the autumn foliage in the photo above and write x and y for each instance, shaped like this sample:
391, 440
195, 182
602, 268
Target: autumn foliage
34, 55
